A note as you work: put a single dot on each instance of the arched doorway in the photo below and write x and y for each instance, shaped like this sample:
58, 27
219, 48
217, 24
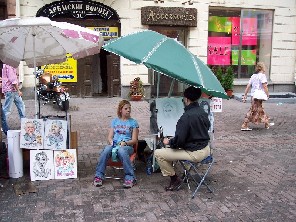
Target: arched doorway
94, 76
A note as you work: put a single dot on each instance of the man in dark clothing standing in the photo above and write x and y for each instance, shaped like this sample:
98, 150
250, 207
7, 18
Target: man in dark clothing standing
190, 141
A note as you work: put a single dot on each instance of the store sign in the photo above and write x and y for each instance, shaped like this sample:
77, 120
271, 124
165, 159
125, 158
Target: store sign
248, 57
220, 24
249, 34
66, 71
216, 105
219, 49
78, 9
107, 32
175, 16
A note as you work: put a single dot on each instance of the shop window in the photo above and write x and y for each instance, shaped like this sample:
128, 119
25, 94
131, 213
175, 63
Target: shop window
239, 38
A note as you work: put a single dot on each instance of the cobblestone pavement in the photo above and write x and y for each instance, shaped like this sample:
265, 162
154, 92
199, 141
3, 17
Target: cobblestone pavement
253, 176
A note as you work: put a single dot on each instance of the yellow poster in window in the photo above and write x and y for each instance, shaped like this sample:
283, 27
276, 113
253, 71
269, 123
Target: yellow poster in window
107, 32
66, 71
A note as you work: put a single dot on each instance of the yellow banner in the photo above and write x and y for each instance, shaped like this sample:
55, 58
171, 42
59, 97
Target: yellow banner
66, 71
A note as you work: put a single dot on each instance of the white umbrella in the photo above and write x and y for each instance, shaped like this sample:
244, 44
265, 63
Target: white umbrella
40, 41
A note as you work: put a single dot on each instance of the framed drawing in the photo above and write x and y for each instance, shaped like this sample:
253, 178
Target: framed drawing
55, 137
65, 164
32, 133
41, 165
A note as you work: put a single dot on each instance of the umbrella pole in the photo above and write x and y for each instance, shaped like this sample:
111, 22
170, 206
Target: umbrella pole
171, 88
34, 60
158, 82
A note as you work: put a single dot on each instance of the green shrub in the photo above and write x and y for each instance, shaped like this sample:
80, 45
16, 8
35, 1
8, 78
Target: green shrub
228, 78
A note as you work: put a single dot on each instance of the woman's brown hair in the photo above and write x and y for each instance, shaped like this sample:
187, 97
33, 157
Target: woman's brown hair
121, 104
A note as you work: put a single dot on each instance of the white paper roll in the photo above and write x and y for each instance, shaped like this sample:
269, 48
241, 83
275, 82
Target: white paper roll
15, 154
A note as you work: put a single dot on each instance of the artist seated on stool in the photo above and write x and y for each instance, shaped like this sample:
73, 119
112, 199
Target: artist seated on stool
190, 141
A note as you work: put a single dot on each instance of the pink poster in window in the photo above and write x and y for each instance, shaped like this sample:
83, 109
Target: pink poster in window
249, 31
235, 30
219, 49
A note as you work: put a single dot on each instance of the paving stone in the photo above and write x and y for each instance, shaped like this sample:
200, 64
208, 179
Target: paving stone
253, 176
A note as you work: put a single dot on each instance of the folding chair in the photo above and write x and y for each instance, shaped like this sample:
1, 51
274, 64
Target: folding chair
118, 165
195, 174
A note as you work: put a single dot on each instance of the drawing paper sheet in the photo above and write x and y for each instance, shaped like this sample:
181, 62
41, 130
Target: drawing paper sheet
65, 164
41, 165
32, 133
55, 134
169, 110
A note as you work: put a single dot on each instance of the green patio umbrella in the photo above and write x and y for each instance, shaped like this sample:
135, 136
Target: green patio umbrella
167, 56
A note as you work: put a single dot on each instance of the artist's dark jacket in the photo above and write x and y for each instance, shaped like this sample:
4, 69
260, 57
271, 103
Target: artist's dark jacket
192, 129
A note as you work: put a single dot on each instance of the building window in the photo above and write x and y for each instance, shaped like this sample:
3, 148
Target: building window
239, 38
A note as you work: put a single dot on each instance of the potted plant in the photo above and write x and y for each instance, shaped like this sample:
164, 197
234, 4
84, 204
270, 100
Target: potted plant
136, 91
219, 74
227, 81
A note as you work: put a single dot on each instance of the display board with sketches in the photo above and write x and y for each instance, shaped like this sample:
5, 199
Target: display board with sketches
39, 134
41, 165
53, 164
49, 156
32, 133
55, 136
169, 110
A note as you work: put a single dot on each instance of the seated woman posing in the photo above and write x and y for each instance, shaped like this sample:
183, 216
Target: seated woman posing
123, 134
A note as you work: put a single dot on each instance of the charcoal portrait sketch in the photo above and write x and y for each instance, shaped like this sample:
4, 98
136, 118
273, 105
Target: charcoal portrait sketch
41, 165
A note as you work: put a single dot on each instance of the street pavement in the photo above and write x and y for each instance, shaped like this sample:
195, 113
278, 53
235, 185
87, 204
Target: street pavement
253, 176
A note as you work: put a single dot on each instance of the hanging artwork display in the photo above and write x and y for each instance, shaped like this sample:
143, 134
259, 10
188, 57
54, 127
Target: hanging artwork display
41, 165
169, 110
65, 164
55, 137
32, 133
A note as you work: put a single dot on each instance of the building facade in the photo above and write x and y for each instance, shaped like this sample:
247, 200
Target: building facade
222, 33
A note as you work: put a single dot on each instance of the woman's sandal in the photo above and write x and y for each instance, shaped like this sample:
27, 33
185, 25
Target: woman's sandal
246, 129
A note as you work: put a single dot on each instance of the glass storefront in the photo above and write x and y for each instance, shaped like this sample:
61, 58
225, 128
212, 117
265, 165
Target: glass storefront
239, 38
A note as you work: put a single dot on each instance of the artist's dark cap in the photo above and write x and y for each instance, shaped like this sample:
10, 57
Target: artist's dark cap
192, 93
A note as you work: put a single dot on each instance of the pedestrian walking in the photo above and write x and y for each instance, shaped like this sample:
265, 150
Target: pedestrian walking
11, 90
256, 113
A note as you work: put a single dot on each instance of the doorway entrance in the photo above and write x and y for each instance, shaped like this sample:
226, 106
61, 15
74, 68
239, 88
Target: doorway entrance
97, 75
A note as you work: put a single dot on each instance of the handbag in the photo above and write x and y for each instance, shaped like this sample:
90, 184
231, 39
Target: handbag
259, 94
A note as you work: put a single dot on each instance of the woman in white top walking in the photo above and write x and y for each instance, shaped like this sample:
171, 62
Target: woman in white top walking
256, 113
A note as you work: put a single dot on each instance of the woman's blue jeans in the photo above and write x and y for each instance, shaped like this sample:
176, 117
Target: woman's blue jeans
124, 154
11, 97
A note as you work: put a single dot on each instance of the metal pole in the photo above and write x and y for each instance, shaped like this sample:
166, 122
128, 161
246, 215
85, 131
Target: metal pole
158, 82
34, 59
171, 88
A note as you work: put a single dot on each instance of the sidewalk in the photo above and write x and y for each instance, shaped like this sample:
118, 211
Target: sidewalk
253, 176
